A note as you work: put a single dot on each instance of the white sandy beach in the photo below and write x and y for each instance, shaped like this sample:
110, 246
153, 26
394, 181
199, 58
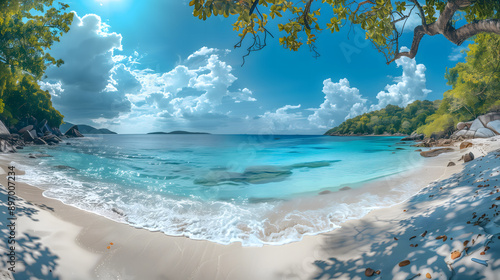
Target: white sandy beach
56, 241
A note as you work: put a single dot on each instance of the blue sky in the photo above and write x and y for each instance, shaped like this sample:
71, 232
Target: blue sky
142, 66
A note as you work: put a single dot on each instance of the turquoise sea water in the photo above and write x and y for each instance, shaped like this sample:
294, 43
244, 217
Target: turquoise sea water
223, 188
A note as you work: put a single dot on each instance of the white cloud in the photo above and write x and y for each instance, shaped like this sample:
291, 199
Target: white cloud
408, 87
283, 120
341, 102
413, 21
81, 86
203, 52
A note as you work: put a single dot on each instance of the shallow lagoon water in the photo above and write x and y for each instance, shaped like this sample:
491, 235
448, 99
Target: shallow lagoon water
222, 188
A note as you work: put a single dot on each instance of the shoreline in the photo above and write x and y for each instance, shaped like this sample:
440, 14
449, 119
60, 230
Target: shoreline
158, 256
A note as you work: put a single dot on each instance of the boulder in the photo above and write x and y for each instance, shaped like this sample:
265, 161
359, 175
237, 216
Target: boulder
470, 133
26, 128
29, 136
484, 133
462, 125
494, 126
73, 132
51, 138
40, 141
468, 157
451, 163
56, 131
6, 147
444, 142
459, 133
487, 118
465, 145
413, 137
476, 124
44, 127
436, 152
4, 132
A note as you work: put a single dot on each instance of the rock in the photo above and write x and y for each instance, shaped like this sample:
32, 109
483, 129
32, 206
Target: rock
413, 137
428, 275
451, 163
32, 156
325, 192
6, 147
461, 125
29, 136
484, 132
26, 128
369, 272
51, 138
418, 150
459, 133
470, 134
436, 152
44, 127
487, 118
345, 188
65, 167
56, 131
73, 132
444, 142
4, 132
40, 141
494, 126
468, 157
476, 124
465, 145
40, 155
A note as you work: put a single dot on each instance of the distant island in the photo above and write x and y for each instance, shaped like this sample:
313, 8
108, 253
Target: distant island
86, 129
178, 132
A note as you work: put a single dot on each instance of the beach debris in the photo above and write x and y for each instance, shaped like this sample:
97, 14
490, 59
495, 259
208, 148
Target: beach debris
110, 243
413, 237
483, 262
109, 247
424, 234
455, 255
444, 237
404, 263
428, 275
414, 276
369, 272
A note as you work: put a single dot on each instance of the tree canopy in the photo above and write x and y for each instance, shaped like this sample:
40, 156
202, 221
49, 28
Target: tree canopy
392, 119
475, 91
28, 28
476, 86
382, 20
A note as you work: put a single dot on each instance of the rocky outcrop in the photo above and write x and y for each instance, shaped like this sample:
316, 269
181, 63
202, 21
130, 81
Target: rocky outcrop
413, 137
6, 147
436, 152
73, 132
4, 132
484, 126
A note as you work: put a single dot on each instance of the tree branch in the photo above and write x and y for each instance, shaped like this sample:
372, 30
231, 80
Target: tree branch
443, 26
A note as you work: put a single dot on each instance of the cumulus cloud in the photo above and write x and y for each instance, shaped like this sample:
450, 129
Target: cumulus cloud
81, 86
284, 119
410, 86
341, 102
